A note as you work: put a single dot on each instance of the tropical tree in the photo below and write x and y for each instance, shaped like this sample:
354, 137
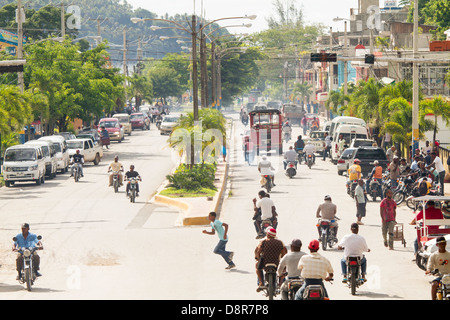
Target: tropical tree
439, 108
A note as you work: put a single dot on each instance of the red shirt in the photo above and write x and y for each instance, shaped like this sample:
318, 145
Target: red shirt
388, 212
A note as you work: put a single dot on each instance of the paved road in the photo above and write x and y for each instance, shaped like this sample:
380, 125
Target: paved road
99, 246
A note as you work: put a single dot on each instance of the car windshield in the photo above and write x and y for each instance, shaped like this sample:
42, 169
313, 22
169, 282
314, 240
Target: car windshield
108, 124
123, 119
170, 119
57, 147
136, 116
317, 135
370, 154
359, 143
75, 144
347, 153
20, 155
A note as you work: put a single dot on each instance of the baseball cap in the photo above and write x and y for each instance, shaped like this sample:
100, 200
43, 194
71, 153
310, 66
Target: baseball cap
25, 225
314, 245
327, 197
440, 240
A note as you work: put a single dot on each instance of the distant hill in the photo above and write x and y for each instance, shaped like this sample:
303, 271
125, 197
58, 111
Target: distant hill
113, 16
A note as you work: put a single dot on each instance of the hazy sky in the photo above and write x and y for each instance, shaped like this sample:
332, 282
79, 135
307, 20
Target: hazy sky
314, 11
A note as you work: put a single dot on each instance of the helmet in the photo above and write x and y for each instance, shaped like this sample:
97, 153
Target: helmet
356, 161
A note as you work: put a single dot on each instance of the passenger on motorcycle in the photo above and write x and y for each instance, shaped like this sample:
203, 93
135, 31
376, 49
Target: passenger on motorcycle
438, 260
431, 213
290, 156
354, 172
376, 173
310, 148
314, 269
265, 168
328, 210
264, 210
115, 166
26, 239
353, 245
77, 160
289, 265
299, 144
287, 130
132, 174
271, 250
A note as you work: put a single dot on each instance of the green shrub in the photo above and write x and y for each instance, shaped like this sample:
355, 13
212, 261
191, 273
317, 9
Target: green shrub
195, 178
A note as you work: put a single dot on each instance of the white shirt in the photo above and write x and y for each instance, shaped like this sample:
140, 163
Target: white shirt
266, 205
266, 167
354, 245
438, 164
290, 155
309, 148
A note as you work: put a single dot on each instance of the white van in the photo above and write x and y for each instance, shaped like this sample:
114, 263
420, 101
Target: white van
23, 163
51, 162
335, 123
62, 156
349, 132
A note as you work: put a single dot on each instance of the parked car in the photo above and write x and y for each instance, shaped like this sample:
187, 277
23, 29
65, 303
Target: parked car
49, 152
139, 120
92, 153
88, 136
168, 123
124, 120
367, 155
66, 135
23, 163
344, 160
113, 127
362, 143
318, 139
60, 145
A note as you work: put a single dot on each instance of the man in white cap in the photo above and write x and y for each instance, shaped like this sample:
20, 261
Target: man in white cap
271, 250
438, 260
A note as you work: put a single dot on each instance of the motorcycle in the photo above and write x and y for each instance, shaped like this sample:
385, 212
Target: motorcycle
287, 137
290, 169
354, 273
76, 172
268, 184
158, 123
375, 189
270, 278
294, 284
426, 250
266, 223
309, 160
403, 191
351, 186
327, 233
301, 156
314, 292
443, 289
27, 274
116, 182
132, 190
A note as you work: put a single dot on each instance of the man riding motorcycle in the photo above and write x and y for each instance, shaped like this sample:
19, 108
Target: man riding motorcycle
287, 130
290, 156
354, 172
264, 210
77, 160
310, 148
289, 264
132, 174
438, 260
328, 210
299, 144
115, 166
377, 173
266, 169
27, 240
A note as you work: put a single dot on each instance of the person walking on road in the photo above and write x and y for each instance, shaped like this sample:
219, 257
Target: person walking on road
360, 199
222, 230
388, 215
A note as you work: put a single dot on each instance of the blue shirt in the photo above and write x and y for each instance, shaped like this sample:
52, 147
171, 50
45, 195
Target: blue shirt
30, 242
217, 225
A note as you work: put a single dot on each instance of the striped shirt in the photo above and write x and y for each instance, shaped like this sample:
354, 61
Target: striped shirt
314, 266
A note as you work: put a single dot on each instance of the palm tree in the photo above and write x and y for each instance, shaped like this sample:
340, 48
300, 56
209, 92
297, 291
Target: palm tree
438, 107
302, 89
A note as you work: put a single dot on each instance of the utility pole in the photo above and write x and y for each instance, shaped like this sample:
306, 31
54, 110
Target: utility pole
125, 72
194, 70
20, 42
213, 74
345, 62
63, 21
415, 113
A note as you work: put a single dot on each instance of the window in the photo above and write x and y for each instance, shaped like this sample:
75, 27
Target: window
20, 155
370, 154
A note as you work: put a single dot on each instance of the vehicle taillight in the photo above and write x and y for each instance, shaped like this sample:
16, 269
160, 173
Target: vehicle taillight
353, 263
341, 161
291, 165
314, 294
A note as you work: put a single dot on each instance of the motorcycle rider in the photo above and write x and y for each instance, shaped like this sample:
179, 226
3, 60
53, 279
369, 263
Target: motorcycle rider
353, 245
132, 174
438, 260
290, 156
271, 250
299, 144
115, 166
265, 168
264, 210
26, 239
328, 210
314, 269
376, 173
287, 130
310, 148
289, 264
77, 160
354, 172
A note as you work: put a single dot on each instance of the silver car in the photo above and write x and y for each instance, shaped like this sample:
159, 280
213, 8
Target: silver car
344, 160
